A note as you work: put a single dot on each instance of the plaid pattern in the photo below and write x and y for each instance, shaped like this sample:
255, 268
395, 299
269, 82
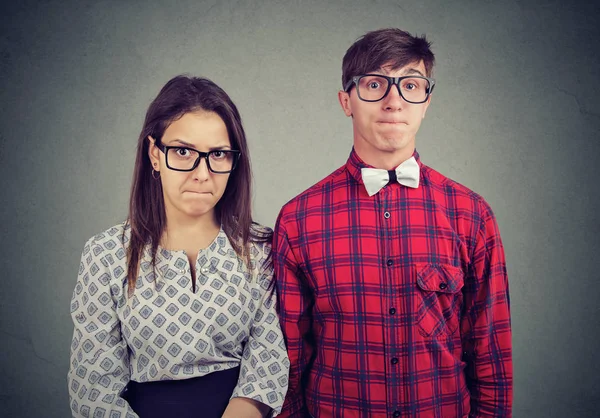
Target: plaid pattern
394, 305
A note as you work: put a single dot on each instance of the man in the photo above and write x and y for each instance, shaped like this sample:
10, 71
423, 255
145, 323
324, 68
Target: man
392, 284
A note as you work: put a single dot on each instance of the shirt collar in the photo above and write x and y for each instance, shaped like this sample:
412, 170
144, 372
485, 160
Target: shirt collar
355, 163
164, 257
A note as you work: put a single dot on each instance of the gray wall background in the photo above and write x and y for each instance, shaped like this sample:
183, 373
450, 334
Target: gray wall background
515, 116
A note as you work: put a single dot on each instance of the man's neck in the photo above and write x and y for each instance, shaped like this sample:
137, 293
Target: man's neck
383, 160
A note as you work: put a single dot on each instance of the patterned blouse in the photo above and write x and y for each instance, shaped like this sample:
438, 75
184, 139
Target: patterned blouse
166, 330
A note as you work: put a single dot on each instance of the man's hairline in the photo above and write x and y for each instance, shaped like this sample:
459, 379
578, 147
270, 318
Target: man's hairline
383, 71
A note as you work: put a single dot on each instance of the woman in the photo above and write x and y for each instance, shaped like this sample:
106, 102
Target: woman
174, 309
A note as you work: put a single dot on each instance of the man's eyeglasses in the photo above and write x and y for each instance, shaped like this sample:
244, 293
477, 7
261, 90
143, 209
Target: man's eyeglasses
374, 87
220, 161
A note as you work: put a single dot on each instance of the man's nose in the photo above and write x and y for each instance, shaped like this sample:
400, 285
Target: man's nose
394, 99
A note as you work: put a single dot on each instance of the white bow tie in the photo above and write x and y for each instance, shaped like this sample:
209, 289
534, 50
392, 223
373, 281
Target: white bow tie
406, 174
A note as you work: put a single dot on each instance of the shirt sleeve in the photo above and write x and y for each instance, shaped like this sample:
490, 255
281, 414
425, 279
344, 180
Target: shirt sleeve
99, 368
295, 319
486, 327
265, 365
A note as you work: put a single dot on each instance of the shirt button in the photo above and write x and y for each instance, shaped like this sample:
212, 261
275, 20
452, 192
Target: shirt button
386, 215
396, 413
390, 262
182, 271
443, 286
392, 311
394, 360
204, 270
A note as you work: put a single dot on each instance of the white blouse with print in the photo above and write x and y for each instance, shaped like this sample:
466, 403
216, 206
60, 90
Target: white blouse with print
166, 330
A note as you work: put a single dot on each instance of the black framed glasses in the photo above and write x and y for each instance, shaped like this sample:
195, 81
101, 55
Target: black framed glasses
220, 161
374, 87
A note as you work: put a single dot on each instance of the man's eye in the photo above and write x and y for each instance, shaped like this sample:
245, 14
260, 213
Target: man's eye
412, 84
374, 85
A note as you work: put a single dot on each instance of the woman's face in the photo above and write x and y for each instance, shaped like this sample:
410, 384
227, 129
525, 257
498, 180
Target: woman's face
191, 194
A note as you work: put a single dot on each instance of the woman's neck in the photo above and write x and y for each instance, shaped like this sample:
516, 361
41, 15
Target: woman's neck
190, 234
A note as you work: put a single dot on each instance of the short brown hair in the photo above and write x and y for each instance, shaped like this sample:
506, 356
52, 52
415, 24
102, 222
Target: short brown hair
386, 46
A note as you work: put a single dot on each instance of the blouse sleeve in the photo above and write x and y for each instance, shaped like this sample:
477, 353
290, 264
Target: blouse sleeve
265, 364
99, 367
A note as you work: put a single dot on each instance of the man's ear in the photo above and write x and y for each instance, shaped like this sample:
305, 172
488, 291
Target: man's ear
153, 153
344, 98
426, 105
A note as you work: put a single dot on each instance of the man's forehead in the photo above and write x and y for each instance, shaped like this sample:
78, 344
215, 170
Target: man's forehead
416, 67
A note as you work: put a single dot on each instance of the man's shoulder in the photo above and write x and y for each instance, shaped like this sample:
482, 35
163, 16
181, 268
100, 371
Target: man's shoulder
461, 194
313, 196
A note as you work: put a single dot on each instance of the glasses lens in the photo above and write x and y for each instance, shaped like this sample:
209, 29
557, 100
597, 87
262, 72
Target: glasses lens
182, 158
372, 87
414, 89
221, 161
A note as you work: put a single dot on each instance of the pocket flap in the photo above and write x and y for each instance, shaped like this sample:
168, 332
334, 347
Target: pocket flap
443, 278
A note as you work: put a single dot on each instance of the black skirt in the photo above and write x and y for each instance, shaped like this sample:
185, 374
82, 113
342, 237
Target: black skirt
197, 397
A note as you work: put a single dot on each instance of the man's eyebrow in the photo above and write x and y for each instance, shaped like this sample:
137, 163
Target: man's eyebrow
413, 71
409, 71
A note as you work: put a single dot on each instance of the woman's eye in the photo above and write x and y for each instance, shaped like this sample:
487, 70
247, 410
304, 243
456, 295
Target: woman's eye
183, 152
218, 155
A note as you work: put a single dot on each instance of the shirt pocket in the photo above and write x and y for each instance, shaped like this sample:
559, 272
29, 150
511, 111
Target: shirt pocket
438, 298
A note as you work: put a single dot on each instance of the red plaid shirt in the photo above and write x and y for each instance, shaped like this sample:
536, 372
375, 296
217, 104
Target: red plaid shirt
394, 305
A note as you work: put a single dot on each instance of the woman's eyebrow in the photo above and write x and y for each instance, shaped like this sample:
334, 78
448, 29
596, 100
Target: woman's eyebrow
192, 146
182, 142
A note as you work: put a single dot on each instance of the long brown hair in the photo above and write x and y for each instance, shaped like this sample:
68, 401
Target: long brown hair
147, 218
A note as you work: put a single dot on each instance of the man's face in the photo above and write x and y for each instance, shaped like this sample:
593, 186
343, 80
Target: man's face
387, 127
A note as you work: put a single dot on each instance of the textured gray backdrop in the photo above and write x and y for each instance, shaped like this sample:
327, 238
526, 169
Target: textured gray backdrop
515, 116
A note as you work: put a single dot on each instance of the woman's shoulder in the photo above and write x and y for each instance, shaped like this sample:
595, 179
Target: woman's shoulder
112, 239
261, 237
104, 256
261, 231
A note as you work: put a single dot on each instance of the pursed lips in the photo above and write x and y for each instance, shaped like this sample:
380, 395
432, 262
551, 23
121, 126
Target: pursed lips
196, 192
392, 122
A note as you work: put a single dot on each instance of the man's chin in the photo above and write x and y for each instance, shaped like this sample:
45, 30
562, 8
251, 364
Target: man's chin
394, 144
